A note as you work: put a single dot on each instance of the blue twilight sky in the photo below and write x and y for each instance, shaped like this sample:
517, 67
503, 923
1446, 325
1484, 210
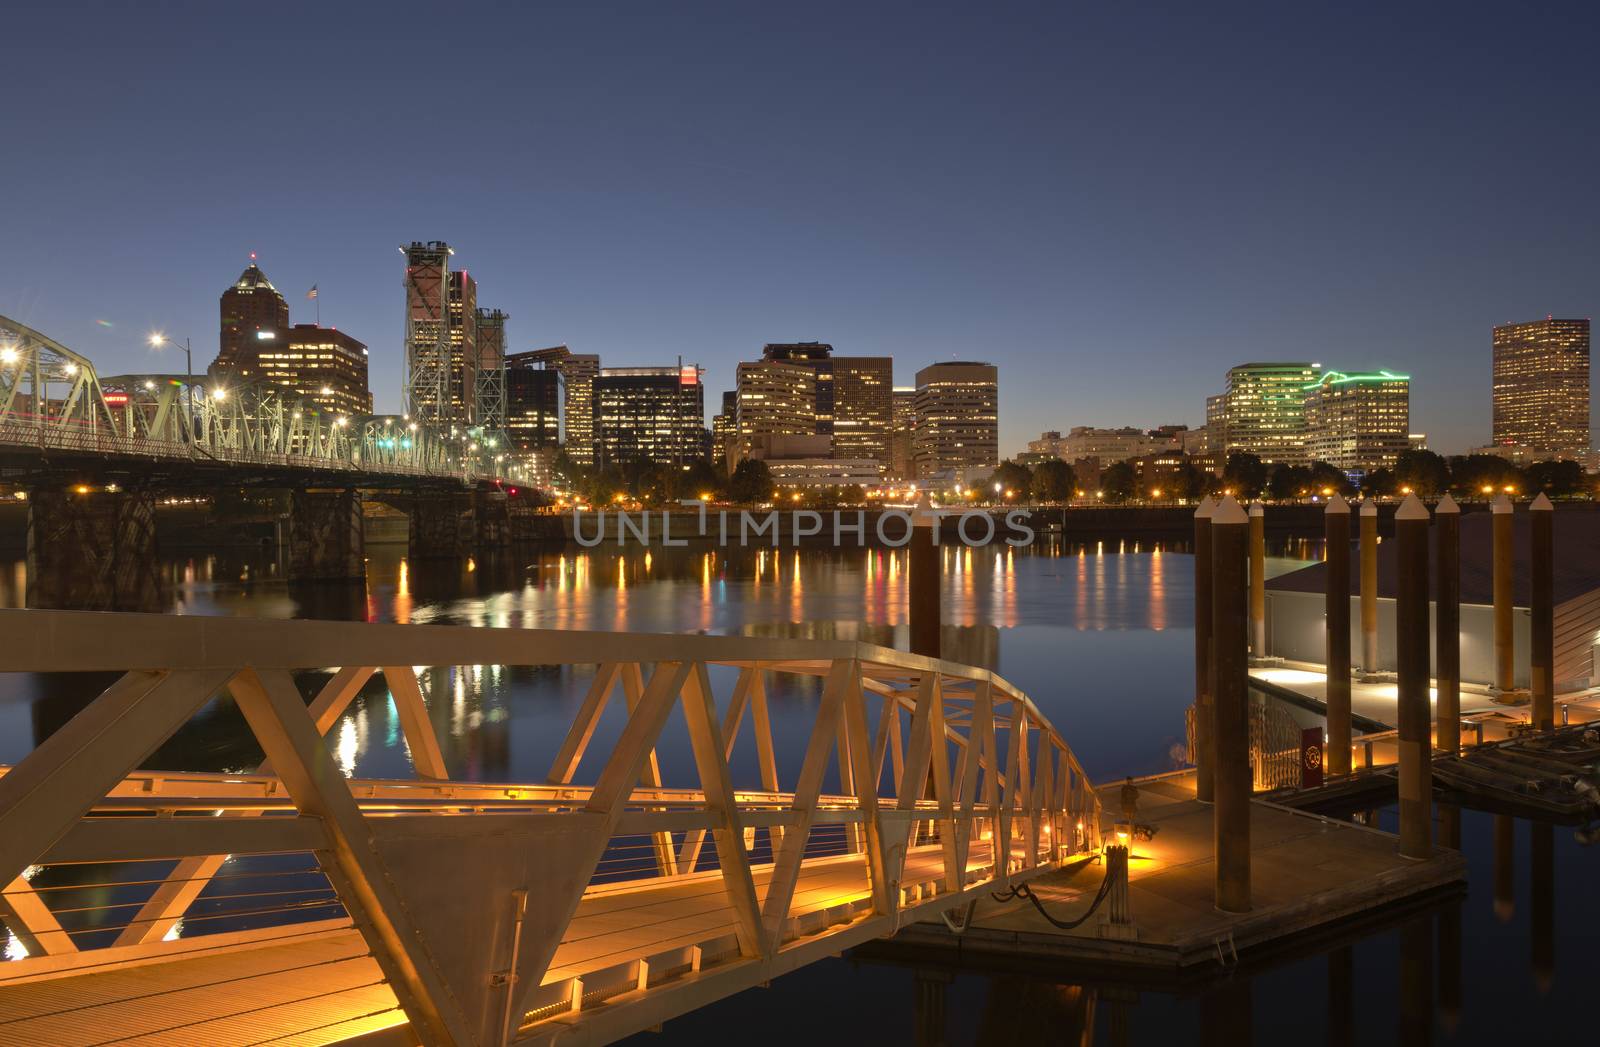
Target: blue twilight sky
1113, 203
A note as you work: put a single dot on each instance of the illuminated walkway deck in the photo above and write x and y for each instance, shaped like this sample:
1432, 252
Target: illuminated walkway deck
447, 912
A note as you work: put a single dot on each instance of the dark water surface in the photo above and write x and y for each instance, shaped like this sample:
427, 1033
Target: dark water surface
1099, 635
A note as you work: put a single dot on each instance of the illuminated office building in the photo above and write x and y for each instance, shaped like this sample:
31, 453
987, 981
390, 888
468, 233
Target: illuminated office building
773, 398
579, 371
1541, 386
957, 431
322, 364
533, 401
1263, 411
1358, 422
462, 387
853, 397
903, 423
648, 416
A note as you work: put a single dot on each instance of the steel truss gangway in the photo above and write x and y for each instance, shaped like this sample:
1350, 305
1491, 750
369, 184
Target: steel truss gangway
618, 893
54, 402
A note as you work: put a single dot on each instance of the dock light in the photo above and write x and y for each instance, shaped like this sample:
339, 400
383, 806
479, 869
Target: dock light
1405, 490
1488, 488
1155, 492
705, 496
1509, 489
82, 489
1326, 491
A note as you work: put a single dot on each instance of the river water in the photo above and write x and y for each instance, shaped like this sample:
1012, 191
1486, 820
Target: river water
1100, 635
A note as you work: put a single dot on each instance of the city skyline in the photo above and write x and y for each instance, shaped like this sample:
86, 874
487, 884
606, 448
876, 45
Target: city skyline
1134, 223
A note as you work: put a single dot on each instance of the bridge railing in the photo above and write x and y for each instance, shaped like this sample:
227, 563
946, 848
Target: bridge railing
490, 908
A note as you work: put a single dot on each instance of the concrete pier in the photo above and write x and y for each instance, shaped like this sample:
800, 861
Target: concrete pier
1447, 625
492, 517
92, 550
443, 526
326, 537
1504, 596
1412, 644
1542, 632
1369, 586
1230, 671
1336, 523
1204, 718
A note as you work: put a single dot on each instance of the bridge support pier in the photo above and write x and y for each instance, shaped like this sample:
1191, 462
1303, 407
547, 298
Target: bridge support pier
443, 526
326, 537
92, 550
492, 514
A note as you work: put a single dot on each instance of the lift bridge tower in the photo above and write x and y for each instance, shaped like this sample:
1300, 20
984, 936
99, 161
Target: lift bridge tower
427, 377
490, 381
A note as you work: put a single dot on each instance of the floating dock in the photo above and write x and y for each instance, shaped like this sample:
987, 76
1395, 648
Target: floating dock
1309, 873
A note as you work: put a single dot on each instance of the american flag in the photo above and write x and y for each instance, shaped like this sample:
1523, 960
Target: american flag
313, 292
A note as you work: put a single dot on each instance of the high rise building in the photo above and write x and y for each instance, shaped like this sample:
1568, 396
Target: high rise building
533, 401
322, 364
254, 315
490, 385
903, 423
428, 341
863, 408
852, 400
1358, 422
774, 398
724, 430
1263, 411
649, 415
957, 420
1541, 385
579, 371
463, 384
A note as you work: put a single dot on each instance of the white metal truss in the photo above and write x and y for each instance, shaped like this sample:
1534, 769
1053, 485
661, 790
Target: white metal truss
52, 398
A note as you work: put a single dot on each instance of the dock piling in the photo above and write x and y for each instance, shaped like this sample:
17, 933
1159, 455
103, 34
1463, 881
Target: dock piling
1504, 651
1415, 736
1336, 527
1258, 579
1205, 755
1447, 625
1542, 654
1505, 898
924, 584
1369, 586
1230, 668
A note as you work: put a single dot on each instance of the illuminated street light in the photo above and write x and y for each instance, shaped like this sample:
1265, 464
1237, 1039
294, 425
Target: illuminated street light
8, 355
219, 394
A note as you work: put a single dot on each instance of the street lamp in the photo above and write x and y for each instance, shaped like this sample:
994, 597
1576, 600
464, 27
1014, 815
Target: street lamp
159, 341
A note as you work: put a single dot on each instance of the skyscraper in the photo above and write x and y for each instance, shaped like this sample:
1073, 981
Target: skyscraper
903, 422
1358, 422
863, 408
254, 315
724, 429
1541, 385
427, 328
852, 397
649, 415
533, 401
579, 372
774, 398
463, 384
1264, 411
957, 420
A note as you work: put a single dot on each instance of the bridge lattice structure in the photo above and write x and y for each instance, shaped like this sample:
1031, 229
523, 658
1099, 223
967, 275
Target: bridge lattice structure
53, 400
622, 890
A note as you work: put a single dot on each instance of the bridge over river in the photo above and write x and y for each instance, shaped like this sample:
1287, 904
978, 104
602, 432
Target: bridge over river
612, 896
93, 452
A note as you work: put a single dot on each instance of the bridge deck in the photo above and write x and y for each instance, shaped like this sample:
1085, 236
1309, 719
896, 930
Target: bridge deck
316, 985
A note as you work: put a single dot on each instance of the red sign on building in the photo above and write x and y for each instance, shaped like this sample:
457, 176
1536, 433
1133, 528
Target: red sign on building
1310, 757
